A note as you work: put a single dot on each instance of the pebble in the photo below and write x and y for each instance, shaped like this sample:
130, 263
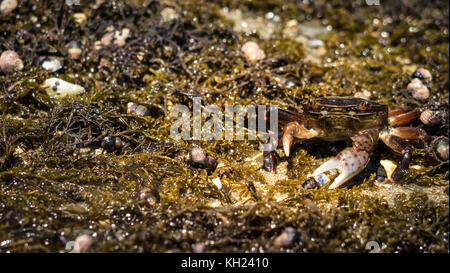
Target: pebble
121, 36
216, 181
198, 248
74, 49
79, 17
169, 14
139, 110
83, 243
59, 88
418, 90
98, 3
252, 52
422, 74
111, 143
150, 196
116, 37
311, 183
107, 38
50, 64
287, 238
365, 94
8, 6
200, 159
366, 52
291, 27
430, 117
10, 62
315, 43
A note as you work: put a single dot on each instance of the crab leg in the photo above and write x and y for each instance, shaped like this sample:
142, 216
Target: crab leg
399, 145
352, 160
397, 111
403, 118
395, 139
294, 129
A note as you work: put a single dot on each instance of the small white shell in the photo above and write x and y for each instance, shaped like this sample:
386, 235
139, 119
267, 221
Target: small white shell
169, 14
7, 6
51, 64
217, 182
252, 51
58, 88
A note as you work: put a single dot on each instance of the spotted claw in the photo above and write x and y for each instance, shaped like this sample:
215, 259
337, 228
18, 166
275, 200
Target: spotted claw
349, 162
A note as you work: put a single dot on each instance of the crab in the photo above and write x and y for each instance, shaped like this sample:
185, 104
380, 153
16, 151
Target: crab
362, 121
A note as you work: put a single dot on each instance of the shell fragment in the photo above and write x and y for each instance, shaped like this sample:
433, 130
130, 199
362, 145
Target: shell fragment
59, 88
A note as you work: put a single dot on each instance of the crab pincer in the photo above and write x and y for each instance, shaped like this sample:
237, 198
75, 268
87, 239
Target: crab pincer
349, 162
352, 160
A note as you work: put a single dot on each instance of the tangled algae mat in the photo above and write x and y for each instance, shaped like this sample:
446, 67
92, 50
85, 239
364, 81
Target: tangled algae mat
56, 182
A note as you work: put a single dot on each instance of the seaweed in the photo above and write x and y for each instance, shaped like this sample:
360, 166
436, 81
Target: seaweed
57, 182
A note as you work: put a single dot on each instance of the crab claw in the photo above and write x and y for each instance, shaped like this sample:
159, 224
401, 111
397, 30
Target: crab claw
349, 162
287, 142
294, 129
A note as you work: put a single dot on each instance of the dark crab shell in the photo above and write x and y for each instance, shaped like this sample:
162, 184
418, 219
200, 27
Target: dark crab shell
339, 118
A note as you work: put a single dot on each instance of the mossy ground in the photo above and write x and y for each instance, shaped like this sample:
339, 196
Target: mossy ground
54, 186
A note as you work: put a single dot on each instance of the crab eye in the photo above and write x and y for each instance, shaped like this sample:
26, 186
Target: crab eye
363, 106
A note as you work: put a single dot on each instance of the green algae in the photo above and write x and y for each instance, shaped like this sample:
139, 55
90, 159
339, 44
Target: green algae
56, 182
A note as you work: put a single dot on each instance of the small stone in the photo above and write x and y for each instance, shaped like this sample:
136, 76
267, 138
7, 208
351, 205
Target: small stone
422, 74
430, 117
142, 111
111, 143
169, 14
290, 83
198, 248
366, 52
311, 205
98, 3
365, 94
418, 90
74, 49
59, 88
79, 17
83, 243
121, 36
198, 156
311, 183
291, 28
10, 62
252, 52
315, 43
107, 38
131, 107
50, 64
8, 6
216, 181
151, 197
200, 159
287, 238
